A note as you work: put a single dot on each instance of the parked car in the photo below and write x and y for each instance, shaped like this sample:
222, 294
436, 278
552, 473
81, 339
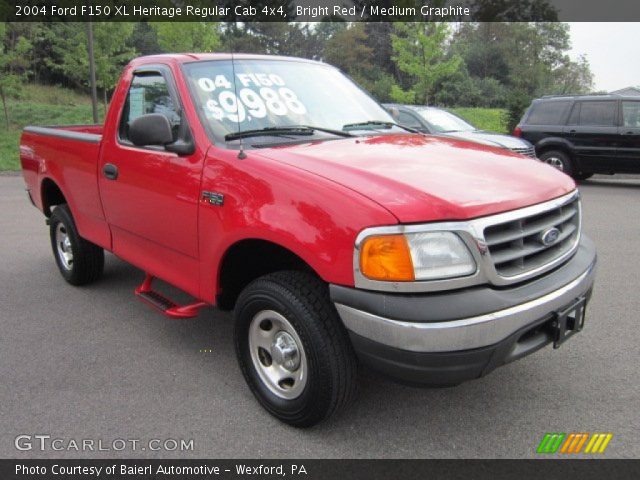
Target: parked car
437, 121
587, 134
332, 233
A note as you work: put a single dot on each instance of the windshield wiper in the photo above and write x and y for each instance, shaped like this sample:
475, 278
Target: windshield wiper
380, 123
285, 130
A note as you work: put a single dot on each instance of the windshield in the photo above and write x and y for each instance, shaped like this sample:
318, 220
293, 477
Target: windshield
277, 93
442, 121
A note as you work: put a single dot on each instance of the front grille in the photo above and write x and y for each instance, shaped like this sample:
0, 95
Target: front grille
516, 247
528, 151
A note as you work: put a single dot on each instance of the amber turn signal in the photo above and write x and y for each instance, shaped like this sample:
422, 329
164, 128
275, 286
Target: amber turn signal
387, 258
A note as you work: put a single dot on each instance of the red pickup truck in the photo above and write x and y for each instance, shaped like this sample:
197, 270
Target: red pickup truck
277, 188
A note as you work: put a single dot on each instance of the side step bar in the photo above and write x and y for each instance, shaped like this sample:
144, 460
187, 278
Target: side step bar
165, 305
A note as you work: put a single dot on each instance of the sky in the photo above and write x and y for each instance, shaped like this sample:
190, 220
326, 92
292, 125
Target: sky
613, 51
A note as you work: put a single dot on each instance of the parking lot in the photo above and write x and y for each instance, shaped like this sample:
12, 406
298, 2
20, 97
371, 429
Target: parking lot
95, 363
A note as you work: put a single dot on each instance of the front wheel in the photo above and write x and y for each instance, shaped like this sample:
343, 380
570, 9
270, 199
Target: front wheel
79, 261
292, 348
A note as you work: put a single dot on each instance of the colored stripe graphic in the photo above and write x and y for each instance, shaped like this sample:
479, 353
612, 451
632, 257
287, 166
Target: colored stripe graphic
574, 443
550, 442
598, 443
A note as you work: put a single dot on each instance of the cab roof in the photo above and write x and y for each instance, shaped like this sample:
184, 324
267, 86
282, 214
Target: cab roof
180, 58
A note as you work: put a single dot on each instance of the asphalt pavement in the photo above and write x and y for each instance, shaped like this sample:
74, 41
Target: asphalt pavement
94, 363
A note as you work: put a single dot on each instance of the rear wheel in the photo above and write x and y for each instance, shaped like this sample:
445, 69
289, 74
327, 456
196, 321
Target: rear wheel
292, 348
559, 160
79, 261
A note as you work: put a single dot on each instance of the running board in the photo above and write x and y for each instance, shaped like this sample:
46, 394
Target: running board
165, 305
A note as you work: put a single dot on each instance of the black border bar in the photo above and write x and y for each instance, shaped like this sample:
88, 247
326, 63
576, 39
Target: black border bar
564, 469
320, 10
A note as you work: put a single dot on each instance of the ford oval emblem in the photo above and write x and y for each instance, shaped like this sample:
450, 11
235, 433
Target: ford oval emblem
549, 236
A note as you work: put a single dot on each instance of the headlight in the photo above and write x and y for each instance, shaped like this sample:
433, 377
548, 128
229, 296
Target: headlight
415, 256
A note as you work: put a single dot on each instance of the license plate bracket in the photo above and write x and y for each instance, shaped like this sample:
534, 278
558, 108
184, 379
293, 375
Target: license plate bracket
568, 321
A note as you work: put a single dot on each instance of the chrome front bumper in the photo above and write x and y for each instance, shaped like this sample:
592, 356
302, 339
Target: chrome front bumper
465, 333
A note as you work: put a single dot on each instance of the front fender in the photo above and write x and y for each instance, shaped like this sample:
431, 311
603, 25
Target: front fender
312, 217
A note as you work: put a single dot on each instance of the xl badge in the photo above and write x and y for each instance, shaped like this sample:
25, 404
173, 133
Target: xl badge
213, 198
549, 236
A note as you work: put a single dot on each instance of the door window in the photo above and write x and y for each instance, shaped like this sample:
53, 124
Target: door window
601, 114
631, 114
148, 93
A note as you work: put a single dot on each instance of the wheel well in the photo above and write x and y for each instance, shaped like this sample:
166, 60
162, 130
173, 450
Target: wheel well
249, 259
51, 196
559, 148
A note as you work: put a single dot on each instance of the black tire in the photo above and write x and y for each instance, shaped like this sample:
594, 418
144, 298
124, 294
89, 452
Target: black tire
583, 176
87, 259
559, 160
331, 366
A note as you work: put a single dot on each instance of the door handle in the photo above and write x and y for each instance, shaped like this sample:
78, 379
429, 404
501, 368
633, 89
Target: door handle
572, 131
110, 171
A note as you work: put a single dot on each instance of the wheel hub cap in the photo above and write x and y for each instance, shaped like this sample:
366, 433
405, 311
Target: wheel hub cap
284, 351
277, 354
63, 245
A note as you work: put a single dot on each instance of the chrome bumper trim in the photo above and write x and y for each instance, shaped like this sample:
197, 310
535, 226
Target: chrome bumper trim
465, 333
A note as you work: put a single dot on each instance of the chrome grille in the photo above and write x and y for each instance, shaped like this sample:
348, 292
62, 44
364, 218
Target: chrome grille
516, 246
528, 151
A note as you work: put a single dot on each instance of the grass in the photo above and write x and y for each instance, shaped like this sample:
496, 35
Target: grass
491, 119
39, 105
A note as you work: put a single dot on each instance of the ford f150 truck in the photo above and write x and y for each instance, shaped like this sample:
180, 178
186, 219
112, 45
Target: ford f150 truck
276, 188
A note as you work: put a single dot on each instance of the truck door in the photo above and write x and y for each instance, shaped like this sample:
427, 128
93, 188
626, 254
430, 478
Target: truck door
150, 196
629, 149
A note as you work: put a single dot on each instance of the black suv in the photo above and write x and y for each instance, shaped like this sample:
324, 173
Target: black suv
587, 134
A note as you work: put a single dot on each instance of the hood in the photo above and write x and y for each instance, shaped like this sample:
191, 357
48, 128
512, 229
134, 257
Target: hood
425, 178
490, 138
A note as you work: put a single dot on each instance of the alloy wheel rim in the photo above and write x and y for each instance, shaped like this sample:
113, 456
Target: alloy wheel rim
556, 163
63, 246
277, 354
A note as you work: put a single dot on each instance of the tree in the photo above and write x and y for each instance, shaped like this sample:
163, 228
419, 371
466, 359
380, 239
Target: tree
187, 36
273, 38
14, 65
144, 39
356, 60
419, 50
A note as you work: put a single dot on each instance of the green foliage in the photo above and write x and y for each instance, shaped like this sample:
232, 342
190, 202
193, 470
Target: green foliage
517, 103
144, 39
69, 57
14, 68
277, 38
187, 36
419, 50
111, 51
40, 105
490, 119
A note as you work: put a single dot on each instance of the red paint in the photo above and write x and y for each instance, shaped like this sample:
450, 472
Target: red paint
312, 199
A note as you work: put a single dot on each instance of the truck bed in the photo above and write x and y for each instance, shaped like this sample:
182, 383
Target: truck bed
69, 154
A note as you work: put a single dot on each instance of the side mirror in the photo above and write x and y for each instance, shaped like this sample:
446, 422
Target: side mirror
150, 129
